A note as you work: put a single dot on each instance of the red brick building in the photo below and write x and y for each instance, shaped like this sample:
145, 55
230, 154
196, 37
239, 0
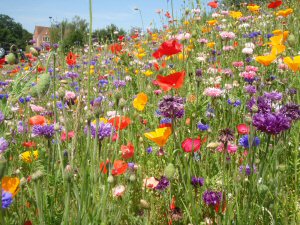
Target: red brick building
41, 34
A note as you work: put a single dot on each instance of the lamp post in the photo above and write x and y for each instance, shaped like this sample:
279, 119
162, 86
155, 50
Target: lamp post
137, 9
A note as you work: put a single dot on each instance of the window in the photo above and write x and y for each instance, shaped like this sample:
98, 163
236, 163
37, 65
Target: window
46, 39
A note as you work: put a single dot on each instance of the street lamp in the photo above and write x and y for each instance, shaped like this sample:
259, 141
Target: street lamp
137, 9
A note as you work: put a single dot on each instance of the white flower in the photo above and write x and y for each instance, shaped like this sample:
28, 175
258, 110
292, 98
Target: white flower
118, 191
248, 51
250, 45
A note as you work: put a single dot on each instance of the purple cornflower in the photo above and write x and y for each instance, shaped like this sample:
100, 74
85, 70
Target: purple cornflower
271, 123
72, 75
171, 107
212, 198
104, 130
203, 127
250, 89
273, 96
1, 117
247, 169
149, 150
47, 130
197, 181
3, 145
199, 73
165, 120
291, 110
7, 199
226, 135
244, 141
163, 184
119, 83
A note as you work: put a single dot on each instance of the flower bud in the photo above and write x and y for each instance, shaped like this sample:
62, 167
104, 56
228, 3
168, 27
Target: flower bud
11, 58
37, 175
144, 204
110, 179
170, 171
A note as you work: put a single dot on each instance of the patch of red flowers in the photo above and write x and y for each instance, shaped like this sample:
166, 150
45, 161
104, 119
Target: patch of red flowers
168, 48
174, 80
120, 167
275, 4
243, 129
71, 59
213, 4
127, 151
120, 122
115, 48
192, 144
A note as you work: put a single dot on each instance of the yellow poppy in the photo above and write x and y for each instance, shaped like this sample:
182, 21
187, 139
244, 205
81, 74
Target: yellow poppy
140, 101
235, 14
11, 184
212, 22
293, 64
205, 29
160, 136
265, 60
27, 156
211, 44
101, 120
284, 13
253, 8
148, 73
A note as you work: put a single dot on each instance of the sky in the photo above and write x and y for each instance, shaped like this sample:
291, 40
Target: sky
105, 12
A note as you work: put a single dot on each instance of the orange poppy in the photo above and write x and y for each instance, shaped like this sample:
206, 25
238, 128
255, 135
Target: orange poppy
103, 166
115, 48
37, 120
174, 80
120, 167
160, 136
11, 184
120, 123
293, 64
265, 60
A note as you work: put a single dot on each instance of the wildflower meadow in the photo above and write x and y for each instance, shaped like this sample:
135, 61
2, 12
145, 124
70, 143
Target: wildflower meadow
196, 122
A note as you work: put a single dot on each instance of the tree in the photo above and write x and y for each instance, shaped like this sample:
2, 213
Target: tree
108, 34
12, 32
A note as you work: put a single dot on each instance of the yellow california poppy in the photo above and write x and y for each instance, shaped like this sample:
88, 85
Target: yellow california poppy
293, 64
253, 8
284, 13
265, 60
235, 14
140, 101
160, 136
27, 156
212, 22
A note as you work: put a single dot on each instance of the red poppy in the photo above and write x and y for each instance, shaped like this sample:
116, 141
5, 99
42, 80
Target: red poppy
64, 135
2, 62
173, 203
168, 48
135, 36
37, 120
127, 151
217, 206
120, 123
156, 66
165, 125
41, 69
71, 59
28, 222
115, 48
121, 38
191, 144
168, 15
120, 167
29, 144
213, 4
174, 80
275, 4
243, 129
103, 166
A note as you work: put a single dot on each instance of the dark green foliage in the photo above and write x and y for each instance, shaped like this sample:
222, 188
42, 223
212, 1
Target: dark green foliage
108, 35
12, 32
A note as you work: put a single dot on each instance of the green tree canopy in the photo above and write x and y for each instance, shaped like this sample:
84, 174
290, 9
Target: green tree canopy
12, 32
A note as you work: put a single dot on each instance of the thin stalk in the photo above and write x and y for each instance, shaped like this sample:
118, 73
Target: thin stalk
90, 56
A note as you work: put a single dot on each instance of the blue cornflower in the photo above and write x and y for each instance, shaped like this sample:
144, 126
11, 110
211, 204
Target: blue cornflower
203, 127
244, 141
149, 150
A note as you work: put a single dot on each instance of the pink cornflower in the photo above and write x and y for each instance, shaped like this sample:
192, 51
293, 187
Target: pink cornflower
228, 48
213, 92
227, 35
238, 64
36, 108
251, 68
118, 191
70, 95
248, 75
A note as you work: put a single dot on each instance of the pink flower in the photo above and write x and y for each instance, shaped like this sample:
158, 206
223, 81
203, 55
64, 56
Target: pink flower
36, 108
228, 48
213, 92
158, 92
232, 148
70, 95
238, 64
192, 144
251, 68
118, 191
183, 36
150, 182
248, 75
202, 40
227, 35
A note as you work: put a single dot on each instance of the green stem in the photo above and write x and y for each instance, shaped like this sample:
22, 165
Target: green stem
90, 47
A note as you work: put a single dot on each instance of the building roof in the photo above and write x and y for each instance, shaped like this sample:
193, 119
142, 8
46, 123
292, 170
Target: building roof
41, 29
